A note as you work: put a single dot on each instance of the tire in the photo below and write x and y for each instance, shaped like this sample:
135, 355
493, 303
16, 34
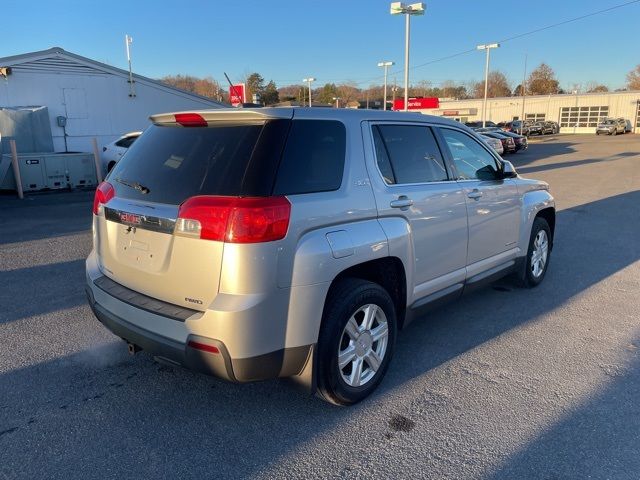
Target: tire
533, 275
615, 132
348, 302
597, 133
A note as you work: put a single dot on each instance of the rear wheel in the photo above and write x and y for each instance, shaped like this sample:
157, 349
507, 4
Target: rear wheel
356, 341
538, 254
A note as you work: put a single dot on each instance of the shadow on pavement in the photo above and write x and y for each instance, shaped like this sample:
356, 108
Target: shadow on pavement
134, 417
592, 442
47, 215
575, 163
25, 292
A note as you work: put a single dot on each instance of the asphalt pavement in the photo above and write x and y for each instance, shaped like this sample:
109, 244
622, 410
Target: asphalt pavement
505, 383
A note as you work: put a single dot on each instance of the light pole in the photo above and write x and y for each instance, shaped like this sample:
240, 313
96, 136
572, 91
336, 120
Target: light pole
487, 47
386, 66
398, 8
523, 90
337, 100
309, 80
128, 41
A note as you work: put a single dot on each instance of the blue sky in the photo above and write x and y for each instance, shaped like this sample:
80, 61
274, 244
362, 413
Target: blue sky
332, 40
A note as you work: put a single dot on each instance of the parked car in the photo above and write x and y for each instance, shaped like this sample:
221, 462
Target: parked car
494, 143
541, 128
628, 127
610, 126
248, 244
520, 141
478, 124
112, 152
516, 126
535, 128
553, 126
508, 143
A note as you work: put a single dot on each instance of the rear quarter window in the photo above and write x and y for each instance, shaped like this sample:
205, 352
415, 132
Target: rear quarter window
313, 158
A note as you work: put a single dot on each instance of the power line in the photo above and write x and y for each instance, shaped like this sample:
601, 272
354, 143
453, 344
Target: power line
508, 39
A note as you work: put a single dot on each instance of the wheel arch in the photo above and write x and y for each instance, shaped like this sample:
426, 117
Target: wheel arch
388, 272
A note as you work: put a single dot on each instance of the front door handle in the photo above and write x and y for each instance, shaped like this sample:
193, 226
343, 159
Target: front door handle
403, 202
475, 194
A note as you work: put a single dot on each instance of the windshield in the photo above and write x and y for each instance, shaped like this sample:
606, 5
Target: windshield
168, 164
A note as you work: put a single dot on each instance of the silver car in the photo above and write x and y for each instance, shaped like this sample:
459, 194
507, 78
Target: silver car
254, 244
611, 126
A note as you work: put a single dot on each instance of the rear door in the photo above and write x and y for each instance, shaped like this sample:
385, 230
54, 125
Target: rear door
410, 180
493, 204
169, 164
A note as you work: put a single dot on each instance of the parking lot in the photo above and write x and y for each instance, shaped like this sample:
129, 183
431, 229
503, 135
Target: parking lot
504, 383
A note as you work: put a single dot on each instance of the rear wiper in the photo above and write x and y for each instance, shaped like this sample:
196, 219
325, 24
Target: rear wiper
141, 188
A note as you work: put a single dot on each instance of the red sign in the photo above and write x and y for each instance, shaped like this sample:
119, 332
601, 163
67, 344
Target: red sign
417, 103
450, 113
236, 94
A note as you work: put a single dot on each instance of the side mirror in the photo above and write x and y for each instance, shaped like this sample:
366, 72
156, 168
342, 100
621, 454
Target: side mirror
508, 170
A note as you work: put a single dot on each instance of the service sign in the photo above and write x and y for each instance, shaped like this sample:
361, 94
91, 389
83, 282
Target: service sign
417, 103
236, 94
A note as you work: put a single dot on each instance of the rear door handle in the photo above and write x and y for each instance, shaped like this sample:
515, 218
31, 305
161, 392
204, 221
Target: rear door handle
403, 202
475, 194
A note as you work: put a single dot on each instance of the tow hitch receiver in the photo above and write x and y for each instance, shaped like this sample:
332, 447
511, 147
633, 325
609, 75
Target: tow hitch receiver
133, 348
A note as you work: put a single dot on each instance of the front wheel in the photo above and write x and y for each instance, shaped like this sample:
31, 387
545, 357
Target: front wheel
356, 341
538, 254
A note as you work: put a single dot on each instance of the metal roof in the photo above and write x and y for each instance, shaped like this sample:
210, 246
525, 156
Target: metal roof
57, 59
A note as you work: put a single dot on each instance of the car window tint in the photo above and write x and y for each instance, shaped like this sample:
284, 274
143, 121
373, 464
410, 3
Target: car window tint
313, 158
471, 160
382, 158
413, 153
125, 142
175, 163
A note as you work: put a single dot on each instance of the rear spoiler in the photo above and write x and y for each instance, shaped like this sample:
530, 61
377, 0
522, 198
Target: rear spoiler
224, 115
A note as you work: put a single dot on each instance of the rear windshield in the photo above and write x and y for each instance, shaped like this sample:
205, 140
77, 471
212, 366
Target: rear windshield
169, 164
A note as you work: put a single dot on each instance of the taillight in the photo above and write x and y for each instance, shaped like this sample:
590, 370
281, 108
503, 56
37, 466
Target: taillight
190, 120
234, 219
104, 193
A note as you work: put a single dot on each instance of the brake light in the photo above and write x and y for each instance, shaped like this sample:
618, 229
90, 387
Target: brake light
234, 219
190, 120
104, 193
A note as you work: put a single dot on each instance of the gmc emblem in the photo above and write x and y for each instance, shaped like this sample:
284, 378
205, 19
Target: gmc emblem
130, 218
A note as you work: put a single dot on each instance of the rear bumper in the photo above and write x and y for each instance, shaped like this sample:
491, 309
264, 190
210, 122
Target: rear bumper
217, 361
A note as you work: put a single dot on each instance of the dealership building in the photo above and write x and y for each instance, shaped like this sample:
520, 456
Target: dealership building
84, 98
575, 113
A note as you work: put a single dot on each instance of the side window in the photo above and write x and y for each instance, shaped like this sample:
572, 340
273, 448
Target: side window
313, 158
382, 158
471, 160
412, 152
125, 142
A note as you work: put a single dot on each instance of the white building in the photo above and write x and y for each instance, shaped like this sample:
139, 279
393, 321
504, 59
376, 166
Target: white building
97, 100
576, 113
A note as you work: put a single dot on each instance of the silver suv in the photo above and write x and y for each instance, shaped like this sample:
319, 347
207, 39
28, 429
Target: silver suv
253, 244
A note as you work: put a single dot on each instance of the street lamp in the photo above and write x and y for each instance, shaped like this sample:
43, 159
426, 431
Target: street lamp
309, 80
337, 100
386, 66
398, 8
487, 47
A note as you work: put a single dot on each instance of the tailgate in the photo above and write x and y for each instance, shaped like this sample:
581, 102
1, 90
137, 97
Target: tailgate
136, 247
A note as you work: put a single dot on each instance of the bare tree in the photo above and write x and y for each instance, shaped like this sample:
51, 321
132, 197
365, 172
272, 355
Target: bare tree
207, 86
594, 87
633, 79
